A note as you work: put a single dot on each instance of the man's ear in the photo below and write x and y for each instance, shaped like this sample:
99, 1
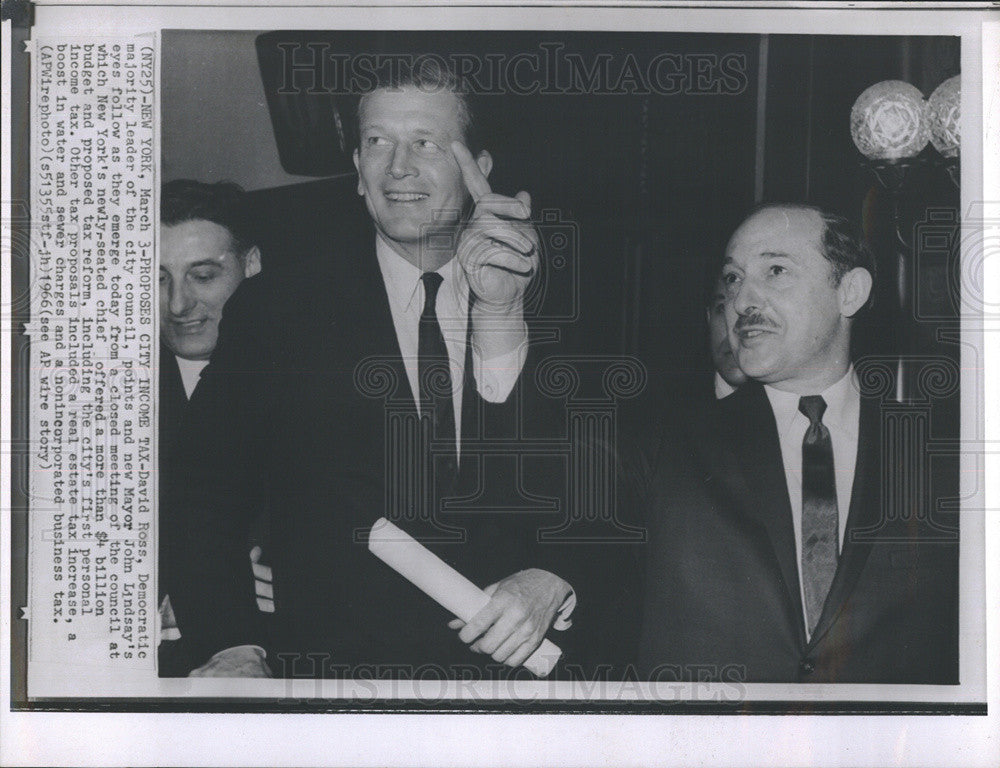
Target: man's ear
855, 287
251, 262
485, 162
357, 167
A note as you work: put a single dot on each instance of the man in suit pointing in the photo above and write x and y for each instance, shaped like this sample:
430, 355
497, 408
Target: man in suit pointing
435, 273
773, 555
416, 175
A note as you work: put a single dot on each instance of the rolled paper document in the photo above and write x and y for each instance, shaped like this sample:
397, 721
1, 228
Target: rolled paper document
450, 589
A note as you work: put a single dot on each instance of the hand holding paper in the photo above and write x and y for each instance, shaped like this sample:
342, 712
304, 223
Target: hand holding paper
514, 622
457, 594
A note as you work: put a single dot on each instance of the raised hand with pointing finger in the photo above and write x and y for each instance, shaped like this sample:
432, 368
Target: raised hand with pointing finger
498, 247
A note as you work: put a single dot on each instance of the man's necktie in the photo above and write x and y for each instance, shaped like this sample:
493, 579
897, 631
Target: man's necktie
820, 522
434, 371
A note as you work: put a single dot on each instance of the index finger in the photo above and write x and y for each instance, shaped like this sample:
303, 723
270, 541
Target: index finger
474, 178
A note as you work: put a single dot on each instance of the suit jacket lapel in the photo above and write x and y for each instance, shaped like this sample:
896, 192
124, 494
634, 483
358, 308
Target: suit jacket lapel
364, 311
747, 426
864, 511
171, 383
173, 400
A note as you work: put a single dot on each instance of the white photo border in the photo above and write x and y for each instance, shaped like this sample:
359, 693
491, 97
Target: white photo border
370, 739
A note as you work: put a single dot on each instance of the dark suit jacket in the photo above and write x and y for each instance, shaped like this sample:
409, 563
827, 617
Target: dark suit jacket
173, 404
292, 417
722, 598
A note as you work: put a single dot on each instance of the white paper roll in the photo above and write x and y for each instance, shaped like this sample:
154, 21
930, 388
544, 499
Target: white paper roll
428, 572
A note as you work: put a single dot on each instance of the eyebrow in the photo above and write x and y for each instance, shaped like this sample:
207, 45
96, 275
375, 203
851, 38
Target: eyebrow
202, 263
765, 254
417, 131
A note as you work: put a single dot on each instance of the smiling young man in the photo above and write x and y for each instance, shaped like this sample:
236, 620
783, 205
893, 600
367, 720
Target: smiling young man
774, 554
427, 287
410, 178
206, 251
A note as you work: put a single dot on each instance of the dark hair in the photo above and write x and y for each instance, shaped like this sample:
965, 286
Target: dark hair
223, 203
842, 248
428, 73
840, 245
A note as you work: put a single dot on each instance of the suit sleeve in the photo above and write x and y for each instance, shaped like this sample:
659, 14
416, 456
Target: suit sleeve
219, 488
546, 527
610, 570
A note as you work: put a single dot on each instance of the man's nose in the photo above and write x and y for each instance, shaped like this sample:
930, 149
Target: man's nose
400, 164
181, 300
748, 297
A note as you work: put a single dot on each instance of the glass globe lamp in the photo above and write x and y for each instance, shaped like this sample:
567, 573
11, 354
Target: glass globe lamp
889, 121
944, 112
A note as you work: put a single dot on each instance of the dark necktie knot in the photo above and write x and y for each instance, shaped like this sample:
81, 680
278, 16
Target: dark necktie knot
432, 281
812, 407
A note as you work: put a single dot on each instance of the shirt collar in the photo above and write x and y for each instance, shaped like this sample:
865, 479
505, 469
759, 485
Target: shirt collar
843, 405
190, 373
402, 279
722, 387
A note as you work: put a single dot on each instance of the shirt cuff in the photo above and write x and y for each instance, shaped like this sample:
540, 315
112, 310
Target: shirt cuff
496, 376
263, 653
168, 622
227, 651
563, 620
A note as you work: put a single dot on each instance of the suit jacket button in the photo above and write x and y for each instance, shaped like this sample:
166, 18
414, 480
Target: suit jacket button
807, 666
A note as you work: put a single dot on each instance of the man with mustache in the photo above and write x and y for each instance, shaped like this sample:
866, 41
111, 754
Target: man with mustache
424, 294
774, 554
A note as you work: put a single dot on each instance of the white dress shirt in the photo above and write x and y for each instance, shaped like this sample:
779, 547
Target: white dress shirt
843, 411
495, 378
190, 373
722, 387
